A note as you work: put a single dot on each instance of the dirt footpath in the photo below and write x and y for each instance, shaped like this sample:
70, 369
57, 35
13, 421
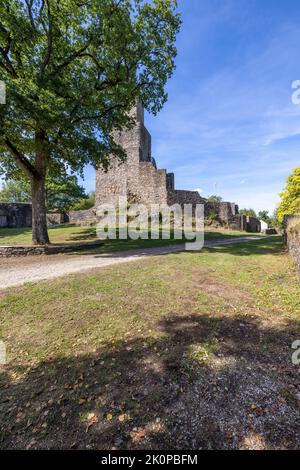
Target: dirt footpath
18, 271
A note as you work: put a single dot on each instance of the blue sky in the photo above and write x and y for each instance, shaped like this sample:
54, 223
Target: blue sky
230, 126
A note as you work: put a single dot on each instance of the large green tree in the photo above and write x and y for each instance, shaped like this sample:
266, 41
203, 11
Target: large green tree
290, 197
73, 70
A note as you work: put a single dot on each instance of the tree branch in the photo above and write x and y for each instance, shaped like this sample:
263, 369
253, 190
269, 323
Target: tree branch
111, 108
49, 38
5, 67
29, 9
9, 67
4, 29
101, 115
20, 159
69, 60
86, 54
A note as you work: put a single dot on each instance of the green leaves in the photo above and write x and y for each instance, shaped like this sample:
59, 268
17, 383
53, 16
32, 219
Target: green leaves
74, 69
290, 197
62, 192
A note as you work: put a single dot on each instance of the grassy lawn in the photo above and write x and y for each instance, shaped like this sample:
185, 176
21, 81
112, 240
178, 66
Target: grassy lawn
75, 234
182, 351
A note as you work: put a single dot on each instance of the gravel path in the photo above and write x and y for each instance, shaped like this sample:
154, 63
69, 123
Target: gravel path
15, 272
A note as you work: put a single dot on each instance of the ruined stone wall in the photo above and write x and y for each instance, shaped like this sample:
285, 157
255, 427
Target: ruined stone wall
228, 214
18, 215
182, 197
117, 180
56, 218
238, 222
253, 225
224, 210
170, 182
292, 237
81, 217
151, 186
145, 145
15, 215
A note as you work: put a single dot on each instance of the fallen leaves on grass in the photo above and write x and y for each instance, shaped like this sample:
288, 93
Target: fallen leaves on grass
91, 419
123, 418
137, 435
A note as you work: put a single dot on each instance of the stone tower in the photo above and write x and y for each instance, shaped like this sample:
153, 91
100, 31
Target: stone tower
137, 178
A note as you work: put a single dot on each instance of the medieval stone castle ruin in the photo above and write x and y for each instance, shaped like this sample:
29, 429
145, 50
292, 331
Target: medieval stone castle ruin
140, 181
138, 178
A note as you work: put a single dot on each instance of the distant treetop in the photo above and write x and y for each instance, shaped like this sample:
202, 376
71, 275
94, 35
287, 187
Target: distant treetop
214, 198
248, 212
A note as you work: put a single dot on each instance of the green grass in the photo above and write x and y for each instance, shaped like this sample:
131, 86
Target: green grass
65, 234
123, 340
76, 234
92, 309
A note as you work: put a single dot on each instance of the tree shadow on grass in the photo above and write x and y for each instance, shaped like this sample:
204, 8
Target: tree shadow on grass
144, 248
270, 246
205, 382
12, 232
215, 235
85, 234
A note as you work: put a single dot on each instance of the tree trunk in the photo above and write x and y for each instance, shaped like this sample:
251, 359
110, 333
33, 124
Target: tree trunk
39, 212
38, 180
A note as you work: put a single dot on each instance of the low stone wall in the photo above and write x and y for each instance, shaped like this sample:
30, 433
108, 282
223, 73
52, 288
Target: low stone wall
56, 218
82, 217
228, 214
271, 231
17, 251
292, 237
73, 217
19, 215
21, 251
15, 215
